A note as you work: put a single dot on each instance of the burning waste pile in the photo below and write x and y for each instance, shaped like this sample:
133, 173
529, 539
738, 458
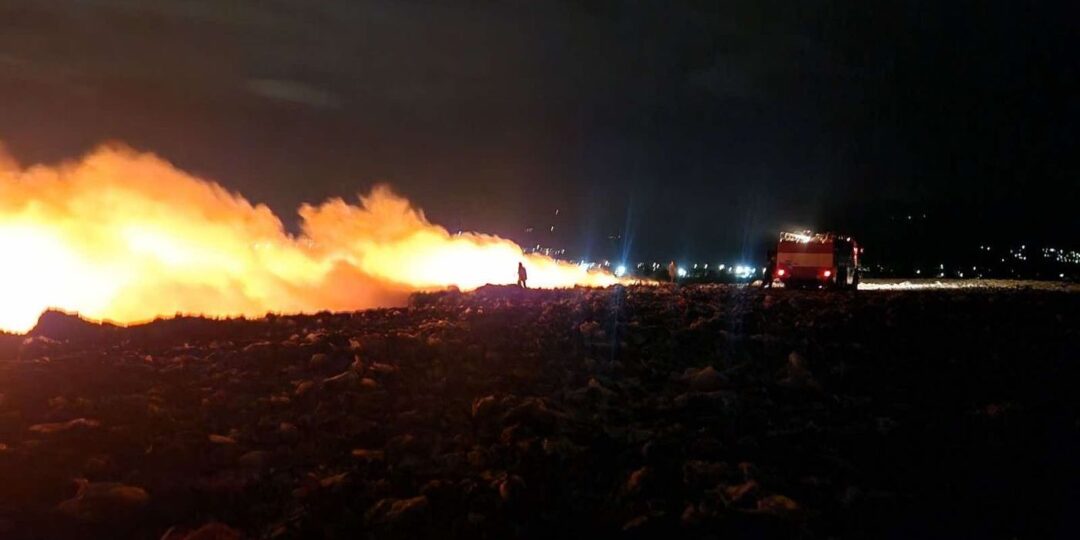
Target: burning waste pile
503, 413
127, 237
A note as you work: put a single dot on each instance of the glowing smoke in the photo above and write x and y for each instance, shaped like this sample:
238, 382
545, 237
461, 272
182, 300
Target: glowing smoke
127, 237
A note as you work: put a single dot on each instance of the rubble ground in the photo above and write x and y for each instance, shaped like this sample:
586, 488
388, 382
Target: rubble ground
702, 412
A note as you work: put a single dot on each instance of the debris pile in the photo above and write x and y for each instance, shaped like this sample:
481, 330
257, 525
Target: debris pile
508, 413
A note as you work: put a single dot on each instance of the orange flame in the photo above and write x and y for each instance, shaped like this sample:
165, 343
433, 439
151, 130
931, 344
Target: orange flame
126, 237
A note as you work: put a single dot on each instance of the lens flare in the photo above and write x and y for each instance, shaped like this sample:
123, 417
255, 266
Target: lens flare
126, 237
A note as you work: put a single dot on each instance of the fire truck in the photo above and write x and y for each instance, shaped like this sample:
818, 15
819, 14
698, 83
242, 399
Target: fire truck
822, 260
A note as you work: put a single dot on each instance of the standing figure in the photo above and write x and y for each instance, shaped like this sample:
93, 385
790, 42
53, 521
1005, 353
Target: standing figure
523, 276
673, 271
770, 270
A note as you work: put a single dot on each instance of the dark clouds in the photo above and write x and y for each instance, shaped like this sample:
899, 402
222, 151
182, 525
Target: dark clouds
709, 123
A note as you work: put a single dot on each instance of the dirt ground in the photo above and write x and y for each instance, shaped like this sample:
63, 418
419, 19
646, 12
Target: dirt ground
698, 412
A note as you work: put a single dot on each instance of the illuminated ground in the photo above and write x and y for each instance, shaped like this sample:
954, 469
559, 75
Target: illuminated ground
702, 412
943, 283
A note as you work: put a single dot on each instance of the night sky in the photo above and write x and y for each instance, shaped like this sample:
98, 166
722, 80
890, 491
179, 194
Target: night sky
694, 129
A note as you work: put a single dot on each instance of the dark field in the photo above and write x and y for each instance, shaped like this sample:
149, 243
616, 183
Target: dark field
706, 412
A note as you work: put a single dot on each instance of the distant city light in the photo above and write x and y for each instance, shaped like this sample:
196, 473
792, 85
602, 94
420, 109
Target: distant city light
620, 271
681, 272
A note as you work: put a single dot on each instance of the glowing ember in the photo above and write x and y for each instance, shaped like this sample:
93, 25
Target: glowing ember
126, 237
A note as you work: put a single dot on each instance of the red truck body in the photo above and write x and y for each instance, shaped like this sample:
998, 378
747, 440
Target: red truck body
817, 260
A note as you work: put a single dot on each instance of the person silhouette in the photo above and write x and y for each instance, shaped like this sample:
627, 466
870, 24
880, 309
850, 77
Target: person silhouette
770, 270
523, 276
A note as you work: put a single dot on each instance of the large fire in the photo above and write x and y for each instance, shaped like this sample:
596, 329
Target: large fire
126, 237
